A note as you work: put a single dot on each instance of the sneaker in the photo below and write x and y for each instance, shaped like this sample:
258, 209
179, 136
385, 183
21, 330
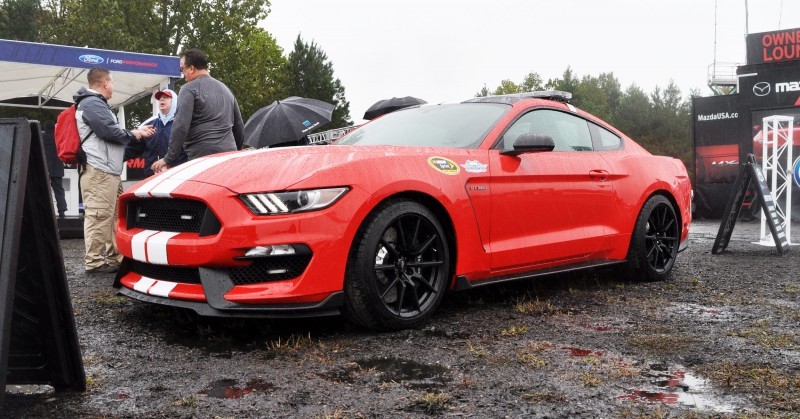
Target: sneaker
103, 269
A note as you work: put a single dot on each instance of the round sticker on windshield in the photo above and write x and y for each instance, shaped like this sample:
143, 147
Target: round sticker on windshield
444, 165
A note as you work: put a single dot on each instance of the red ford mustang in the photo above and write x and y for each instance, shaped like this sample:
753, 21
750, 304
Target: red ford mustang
418, 202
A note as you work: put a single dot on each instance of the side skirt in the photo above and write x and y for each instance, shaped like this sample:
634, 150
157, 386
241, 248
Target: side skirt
462, 283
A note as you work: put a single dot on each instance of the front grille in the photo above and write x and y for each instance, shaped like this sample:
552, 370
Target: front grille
166, 273
175, 215
270, 269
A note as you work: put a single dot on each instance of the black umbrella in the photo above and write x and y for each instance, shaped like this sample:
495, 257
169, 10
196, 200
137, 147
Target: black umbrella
286, 120
382, 107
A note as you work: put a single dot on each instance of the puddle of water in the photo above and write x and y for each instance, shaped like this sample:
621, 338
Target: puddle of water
579, 352
407, 371
228, 389
677, 387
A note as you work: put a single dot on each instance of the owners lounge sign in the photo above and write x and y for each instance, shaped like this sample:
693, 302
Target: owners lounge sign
773, 47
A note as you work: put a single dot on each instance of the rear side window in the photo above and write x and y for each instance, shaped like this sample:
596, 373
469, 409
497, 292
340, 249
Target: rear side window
605, 140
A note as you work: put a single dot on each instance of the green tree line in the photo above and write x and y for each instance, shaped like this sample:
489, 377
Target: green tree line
659, 121
244, 56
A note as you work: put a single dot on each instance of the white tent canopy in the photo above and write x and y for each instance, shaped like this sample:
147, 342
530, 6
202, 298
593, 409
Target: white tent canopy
46, 76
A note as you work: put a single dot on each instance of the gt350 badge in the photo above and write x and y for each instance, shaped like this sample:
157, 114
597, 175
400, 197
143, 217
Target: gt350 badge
444, 165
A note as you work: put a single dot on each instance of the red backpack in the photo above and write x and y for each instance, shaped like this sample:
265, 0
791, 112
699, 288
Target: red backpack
68, 141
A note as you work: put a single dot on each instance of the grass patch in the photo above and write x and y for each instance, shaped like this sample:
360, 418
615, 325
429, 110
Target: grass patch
188, 401
774, 389
589, 379
535, 307
695, 285
531, 360
767, 337
791, 288
336, 414
294, 342
477, 350
545, 397
591, 360
432, 402
660, 343
539, 346
622, 370
91, 383
514, 331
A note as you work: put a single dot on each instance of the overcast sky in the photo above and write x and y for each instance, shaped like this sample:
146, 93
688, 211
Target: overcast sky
447, 50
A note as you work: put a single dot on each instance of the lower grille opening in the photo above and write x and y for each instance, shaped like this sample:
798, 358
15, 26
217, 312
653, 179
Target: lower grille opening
270, 269
166, 273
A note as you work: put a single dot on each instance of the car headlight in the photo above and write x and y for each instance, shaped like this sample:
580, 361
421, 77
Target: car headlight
268, 203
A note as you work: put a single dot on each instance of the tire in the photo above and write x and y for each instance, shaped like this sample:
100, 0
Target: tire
398, 268
655, 241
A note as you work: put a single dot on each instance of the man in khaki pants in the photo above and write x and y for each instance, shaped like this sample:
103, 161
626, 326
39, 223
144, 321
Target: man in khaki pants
100, 175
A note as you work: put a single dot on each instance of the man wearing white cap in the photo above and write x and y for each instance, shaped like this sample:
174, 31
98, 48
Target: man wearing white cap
157, 146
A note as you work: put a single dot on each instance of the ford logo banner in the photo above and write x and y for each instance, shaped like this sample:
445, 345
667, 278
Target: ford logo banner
91, 59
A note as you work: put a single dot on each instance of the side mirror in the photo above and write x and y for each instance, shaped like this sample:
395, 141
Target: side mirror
530, 143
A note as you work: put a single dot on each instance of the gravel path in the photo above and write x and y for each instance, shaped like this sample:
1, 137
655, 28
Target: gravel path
720, 338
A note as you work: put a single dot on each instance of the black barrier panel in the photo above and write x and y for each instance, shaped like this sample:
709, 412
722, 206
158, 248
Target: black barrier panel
14, 151
750, 172
41, 344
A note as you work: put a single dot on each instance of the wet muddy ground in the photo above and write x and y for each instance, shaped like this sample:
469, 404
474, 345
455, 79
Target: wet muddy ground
720, 339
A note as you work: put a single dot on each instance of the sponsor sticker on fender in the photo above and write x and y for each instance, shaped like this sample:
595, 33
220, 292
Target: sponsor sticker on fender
444, 165
474, 166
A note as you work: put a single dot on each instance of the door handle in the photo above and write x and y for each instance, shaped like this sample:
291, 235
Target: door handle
600, 175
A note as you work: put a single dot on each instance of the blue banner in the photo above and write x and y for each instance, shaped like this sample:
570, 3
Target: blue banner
66, 56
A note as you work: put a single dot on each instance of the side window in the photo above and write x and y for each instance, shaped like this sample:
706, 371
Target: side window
569, 132
605, 140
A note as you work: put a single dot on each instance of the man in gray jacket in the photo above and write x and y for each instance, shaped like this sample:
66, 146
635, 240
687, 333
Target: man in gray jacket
208, 119
100, 177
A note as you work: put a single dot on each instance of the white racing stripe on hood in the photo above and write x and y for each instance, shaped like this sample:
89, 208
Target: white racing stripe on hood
162, 185
144, 190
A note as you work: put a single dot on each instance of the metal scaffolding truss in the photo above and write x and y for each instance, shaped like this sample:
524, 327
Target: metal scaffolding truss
776, 155
325, 137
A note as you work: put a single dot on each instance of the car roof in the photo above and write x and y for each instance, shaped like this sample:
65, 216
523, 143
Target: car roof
511, 99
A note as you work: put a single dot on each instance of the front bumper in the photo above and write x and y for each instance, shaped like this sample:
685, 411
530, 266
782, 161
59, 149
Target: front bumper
209, 272
208, 297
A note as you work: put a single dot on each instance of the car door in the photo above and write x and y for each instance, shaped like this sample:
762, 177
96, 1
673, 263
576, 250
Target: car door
547, 207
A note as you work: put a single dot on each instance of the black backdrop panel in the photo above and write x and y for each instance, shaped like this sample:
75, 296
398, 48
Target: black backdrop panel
725, 126
718, 134
769, 86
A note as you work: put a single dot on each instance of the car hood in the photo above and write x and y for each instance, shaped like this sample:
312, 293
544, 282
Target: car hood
281, 168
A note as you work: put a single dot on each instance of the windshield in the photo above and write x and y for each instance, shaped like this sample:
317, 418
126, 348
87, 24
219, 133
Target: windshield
462, 125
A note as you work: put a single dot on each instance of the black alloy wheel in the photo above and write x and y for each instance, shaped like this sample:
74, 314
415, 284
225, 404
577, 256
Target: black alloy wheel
399, 274
655, 241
